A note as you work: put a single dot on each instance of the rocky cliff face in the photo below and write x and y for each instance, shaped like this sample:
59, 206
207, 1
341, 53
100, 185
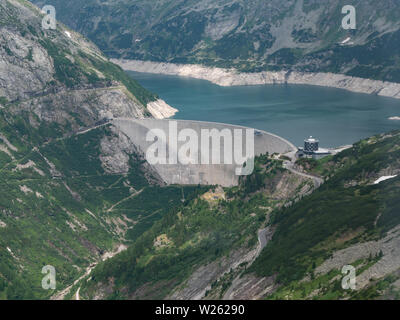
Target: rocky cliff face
251, 36
64, 171
60, 76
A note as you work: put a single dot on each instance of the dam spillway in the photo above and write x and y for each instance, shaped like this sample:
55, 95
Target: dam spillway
205, 174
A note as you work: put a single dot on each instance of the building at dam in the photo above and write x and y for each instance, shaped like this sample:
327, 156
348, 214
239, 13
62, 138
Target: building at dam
312, 150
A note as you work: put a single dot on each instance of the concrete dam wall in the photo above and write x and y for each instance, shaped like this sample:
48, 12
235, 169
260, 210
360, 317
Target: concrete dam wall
222, 173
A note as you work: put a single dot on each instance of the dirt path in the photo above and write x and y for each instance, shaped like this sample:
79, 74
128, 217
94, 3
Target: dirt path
127, 198
290, 166
61, 295
264, 236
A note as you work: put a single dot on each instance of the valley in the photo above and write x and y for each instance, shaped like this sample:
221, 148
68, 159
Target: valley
80, 195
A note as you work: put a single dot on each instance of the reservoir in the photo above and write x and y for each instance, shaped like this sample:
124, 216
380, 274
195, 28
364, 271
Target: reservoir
336, 117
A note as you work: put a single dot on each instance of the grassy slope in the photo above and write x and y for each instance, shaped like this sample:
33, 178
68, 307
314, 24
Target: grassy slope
199, 232
311, 230
50, 225
307, 232
62, 219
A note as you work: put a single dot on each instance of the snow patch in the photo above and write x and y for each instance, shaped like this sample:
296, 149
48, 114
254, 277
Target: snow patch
383, 178
346, 40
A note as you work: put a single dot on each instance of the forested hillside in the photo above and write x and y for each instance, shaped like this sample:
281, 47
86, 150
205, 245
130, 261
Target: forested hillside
349, 220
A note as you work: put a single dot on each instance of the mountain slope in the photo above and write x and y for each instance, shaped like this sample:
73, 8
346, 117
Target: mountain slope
65, 173
192, 246
299, 35
349, 220
329, 228
45, 71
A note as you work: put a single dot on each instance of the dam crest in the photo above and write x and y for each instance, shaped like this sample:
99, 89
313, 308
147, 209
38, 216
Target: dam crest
204, 174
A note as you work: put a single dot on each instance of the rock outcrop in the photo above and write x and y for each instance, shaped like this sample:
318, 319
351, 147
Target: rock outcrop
159, 109
60, 76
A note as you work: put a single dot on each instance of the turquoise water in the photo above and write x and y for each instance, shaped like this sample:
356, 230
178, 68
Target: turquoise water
336, 117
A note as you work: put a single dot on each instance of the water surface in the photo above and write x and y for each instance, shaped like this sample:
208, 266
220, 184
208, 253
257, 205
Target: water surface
336, 117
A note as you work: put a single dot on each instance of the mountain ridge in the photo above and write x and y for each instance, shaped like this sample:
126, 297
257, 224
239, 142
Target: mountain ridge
298, 35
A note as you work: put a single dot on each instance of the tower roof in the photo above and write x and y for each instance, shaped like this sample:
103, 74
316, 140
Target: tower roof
311, 139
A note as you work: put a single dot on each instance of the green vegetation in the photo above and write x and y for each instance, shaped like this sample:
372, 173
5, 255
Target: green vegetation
76, 66
346, 210
241, 34
58, 205
30, 55
60, 215
3, 101
115, 72
322, 167
202, 230
309, 231
323, 287
68, 72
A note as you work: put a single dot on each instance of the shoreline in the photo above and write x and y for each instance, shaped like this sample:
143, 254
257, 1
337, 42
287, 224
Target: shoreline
159, 109
231, 77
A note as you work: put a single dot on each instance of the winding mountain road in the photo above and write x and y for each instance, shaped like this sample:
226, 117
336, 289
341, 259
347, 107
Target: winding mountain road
289, 165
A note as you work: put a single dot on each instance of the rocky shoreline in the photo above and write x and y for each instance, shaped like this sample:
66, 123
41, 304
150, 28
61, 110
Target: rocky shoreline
159, 109
231, 77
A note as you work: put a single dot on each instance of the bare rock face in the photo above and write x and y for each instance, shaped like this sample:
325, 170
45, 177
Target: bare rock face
82, 107
60, 76
160, 109
56, 88
388, 246
250, 287
201, 279
115, 152
19, 75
